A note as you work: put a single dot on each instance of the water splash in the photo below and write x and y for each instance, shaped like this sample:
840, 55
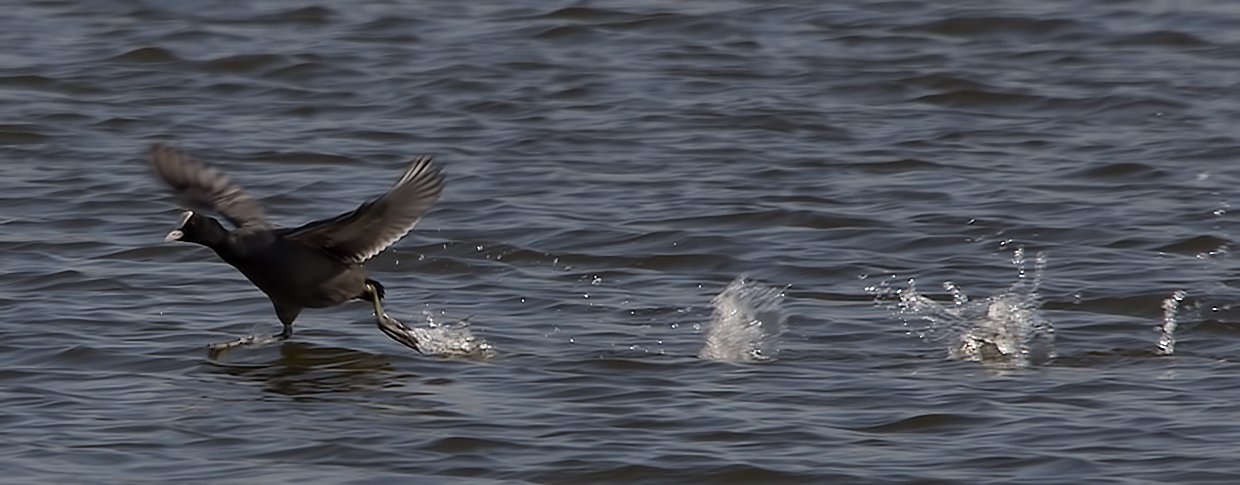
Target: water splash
451, 339
1171, 310
1006, 329
745, 323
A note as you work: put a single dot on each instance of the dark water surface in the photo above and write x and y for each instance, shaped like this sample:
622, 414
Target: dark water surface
611, 168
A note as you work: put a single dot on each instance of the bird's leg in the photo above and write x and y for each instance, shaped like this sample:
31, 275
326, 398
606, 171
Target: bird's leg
390, 326
374, 297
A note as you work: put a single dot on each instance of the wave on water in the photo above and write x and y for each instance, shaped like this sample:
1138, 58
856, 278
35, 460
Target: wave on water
1007, 329
745, 323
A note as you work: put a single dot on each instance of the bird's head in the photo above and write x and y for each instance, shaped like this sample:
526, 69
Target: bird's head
198, 229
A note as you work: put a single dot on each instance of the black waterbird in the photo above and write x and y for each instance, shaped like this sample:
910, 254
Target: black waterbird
313, 266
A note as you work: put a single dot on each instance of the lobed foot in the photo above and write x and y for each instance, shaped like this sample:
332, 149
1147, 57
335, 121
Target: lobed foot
246, 341
391, 327
397, 331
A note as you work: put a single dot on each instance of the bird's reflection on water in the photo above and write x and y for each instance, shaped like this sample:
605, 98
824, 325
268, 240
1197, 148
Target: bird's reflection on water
299, 368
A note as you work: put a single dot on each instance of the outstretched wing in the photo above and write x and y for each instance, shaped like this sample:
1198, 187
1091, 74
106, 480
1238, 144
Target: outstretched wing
359, 235
204, 187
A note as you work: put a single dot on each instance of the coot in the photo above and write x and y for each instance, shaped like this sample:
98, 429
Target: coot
313, 266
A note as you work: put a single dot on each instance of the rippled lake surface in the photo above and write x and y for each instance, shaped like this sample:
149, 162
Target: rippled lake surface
612, 169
